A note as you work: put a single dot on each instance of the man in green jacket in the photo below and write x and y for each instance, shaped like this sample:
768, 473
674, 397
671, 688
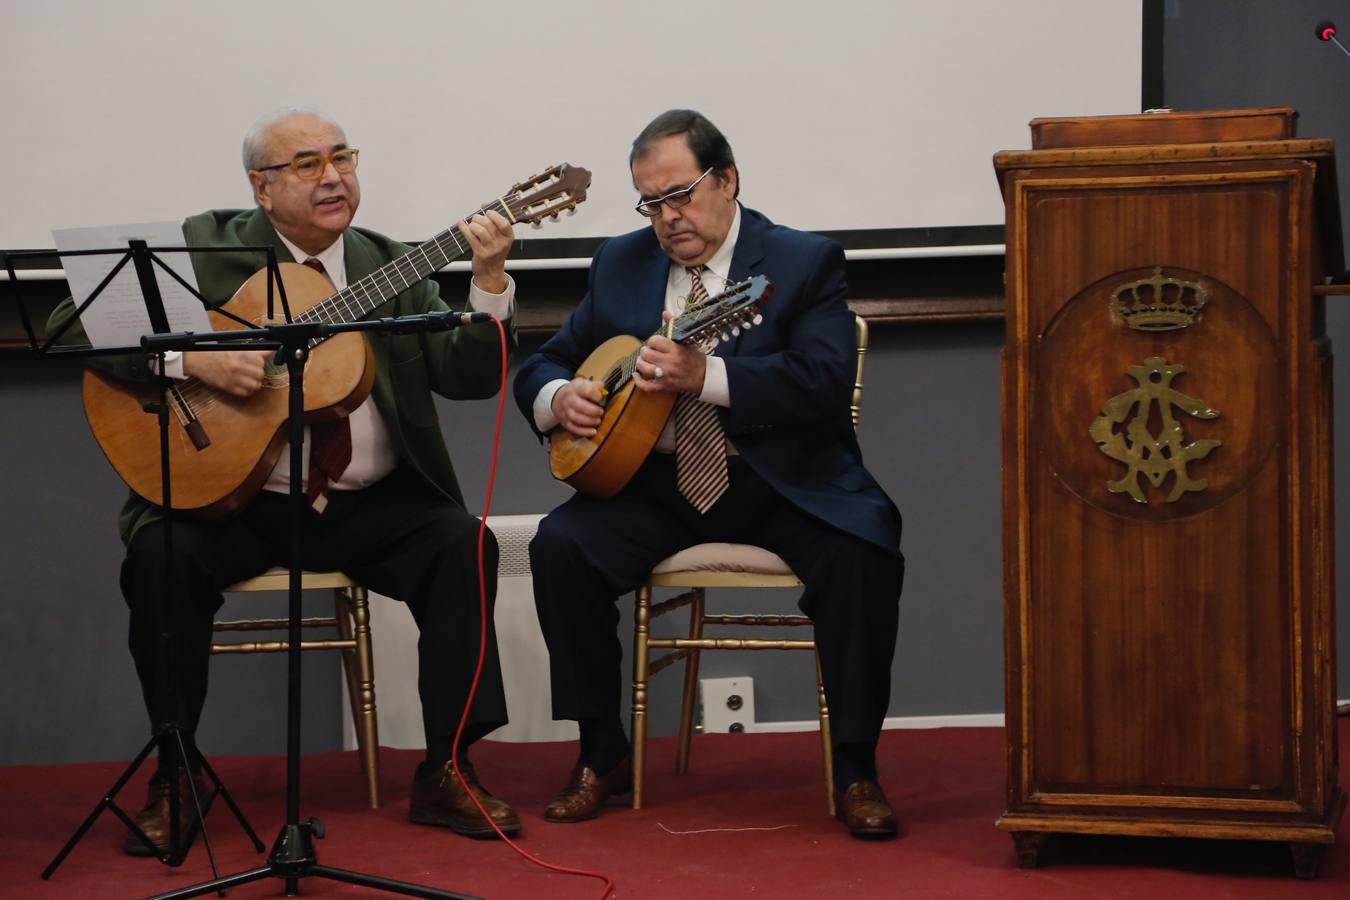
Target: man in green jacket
385, 504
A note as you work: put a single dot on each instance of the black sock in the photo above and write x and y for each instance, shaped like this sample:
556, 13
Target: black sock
435, 762
853, 762
169, 755
603, 744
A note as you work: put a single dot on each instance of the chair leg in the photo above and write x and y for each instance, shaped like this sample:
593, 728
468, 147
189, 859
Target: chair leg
690, 685
342, 608
825, 744
641, 634
363, 714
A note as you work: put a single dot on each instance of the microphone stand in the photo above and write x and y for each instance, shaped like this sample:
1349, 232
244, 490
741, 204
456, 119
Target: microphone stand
293, 854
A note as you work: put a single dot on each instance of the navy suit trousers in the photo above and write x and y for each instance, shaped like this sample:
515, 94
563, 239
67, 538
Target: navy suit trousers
394, 537
588, 552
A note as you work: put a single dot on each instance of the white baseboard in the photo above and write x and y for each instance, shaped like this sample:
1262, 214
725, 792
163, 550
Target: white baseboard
978, 720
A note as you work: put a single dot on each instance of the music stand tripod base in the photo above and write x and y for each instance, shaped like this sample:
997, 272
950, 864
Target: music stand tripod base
293, 855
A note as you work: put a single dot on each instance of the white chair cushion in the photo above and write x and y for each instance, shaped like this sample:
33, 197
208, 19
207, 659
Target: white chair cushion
724, 558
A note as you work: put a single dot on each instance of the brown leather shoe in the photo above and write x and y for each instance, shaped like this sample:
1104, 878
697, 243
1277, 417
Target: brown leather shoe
153, 818
586, 792
863, 808
440, 799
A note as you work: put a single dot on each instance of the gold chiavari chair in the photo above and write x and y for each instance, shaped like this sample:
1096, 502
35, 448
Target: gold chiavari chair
718, 566
352, 623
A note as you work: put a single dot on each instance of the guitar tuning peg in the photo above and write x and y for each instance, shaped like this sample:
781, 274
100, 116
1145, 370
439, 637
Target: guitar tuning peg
757, 319
571, 210
536, 224
747, 324
736, 330
725, 337
554, 217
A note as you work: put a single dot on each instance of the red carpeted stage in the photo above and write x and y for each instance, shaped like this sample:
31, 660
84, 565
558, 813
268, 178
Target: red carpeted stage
749, 820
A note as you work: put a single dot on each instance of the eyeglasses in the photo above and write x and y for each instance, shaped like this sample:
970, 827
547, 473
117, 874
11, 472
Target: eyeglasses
675, 199
310, 166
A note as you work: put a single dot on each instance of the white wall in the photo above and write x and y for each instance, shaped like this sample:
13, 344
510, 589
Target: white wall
855, 114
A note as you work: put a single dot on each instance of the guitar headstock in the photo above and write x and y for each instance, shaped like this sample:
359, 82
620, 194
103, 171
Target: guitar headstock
553, 191
726, 314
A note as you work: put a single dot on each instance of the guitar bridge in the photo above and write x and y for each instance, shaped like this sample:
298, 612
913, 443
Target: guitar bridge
191, 424
197, 434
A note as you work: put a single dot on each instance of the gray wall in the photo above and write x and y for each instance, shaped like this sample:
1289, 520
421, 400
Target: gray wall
1248, 54
63, 649
1220, 54
930, 433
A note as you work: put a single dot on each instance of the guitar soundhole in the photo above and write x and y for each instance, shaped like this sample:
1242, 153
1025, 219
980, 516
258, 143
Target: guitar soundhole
275, 374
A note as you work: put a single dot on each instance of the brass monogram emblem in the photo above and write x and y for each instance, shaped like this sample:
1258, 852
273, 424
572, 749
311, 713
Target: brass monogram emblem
1147, 454
1159, 303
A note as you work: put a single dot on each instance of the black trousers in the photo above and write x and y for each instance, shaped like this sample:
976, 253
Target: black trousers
587, 552
394, 537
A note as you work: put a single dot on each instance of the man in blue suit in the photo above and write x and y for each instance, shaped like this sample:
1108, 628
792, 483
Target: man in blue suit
760, 449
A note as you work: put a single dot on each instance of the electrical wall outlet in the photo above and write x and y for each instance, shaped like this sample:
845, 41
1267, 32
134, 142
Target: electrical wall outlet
728, 704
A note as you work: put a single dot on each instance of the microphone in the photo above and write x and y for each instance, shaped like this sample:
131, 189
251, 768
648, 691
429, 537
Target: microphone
466, 318
438, 321
455, 320
1326, 31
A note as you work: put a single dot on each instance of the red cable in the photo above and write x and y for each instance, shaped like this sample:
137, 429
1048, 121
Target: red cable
482, 645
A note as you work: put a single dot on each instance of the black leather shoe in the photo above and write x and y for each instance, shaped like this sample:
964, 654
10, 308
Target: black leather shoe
586, 792
863, 808
153, 818
440, 799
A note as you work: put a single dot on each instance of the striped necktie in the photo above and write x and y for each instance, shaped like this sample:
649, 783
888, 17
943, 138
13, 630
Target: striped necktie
700, 443
330, 445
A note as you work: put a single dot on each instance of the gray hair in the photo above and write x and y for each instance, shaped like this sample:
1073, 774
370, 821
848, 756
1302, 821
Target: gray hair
255, 140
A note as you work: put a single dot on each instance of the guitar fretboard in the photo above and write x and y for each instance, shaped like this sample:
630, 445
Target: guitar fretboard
687, 326
357, 300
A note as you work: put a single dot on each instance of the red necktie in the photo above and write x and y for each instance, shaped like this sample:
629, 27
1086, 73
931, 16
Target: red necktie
330, 445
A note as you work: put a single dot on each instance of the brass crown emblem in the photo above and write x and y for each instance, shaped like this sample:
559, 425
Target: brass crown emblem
1159, 303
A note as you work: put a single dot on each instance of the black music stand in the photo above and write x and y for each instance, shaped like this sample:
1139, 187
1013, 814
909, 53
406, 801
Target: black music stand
166, 734
293, 855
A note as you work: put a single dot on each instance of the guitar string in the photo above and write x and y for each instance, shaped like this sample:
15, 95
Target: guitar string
323, 311
195, 396
206, 398
177, 405
194, 391
619, 376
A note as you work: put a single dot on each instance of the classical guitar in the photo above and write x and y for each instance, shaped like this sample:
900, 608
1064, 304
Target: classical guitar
601, 465
222, 447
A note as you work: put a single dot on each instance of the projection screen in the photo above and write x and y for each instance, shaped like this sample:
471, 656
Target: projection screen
853, 115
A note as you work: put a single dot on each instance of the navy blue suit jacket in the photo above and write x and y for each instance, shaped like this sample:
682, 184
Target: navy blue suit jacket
790, 378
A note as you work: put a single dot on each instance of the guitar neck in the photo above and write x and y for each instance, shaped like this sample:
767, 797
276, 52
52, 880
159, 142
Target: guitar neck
357, 300
623, 372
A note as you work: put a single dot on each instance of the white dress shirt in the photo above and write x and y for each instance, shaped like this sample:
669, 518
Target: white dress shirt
679, 283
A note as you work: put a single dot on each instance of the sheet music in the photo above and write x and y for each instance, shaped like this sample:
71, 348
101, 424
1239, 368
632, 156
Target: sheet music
118, 317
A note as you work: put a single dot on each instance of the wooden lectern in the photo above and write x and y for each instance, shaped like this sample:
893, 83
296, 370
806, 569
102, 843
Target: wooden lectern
1167, 491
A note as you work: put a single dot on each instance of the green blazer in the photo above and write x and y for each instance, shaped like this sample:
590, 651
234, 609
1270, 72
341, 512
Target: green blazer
461, 364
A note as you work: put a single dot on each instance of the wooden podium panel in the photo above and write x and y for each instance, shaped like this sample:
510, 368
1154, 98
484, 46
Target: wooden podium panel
1273, 123
1169, 595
